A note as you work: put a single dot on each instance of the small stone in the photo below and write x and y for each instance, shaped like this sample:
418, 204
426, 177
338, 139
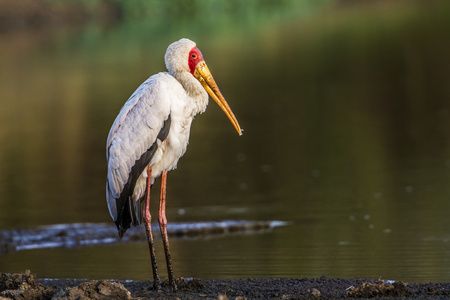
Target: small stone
316, 293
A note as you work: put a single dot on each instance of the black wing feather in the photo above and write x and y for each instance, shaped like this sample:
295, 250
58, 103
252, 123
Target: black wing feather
125, 217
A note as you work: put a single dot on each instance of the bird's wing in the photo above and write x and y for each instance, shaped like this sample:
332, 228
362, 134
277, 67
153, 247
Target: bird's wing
134, 132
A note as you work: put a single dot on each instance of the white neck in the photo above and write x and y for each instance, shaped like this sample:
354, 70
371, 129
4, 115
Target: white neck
198, 97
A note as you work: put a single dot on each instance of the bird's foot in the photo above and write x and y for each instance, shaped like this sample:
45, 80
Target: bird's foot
171, 284
173, 287
157, 284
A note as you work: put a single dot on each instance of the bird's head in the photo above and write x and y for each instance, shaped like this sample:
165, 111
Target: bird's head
183, 56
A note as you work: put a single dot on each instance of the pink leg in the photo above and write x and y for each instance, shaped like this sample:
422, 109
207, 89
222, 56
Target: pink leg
148, 229
163, 226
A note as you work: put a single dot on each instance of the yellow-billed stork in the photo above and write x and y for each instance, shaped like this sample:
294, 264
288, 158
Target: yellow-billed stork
149, 136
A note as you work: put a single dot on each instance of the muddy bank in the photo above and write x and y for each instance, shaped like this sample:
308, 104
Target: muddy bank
28, 286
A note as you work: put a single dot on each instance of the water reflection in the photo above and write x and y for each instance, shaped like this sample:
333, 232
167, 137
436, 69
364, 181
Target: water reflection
346, 119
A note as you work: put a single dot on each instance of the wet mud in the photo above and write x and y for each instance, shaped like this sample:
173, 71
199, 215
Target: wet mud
27, 286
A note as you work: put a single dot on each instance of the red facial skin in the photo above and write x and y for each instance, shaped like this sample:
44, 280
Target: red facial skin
195, 56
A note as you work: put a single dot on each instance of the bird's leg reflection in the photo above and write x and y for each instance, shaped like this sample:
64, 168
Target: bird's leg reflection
163, 225
148, 229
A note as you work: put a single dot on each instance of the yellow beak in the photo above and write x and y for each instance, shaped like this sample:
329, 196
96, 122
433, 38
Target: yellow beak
203, 75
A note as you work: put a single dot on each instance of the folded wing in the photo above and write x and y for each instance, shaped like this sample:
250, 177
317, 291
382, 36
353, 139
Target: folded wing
132, 142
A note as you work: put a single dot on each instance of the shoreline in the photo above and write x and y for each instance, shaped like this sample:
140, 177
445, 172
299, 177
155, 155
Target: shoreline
27, 286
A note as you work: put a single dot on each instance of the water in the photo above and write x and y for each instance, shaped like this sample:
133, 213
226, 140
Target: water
346, 118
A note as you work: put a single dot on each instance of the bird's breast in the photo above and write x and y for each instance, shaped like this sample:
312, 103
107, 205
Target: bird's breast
184, 106
173, 148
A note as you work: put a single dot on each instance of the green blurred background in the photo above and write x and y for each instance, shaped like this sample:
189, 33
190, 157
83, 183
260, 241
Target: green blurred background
346, 112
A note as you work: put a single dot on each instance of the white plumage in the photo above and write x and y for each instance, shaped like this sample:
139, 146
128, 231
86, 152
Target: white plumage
137, 126
151, 133
141, 118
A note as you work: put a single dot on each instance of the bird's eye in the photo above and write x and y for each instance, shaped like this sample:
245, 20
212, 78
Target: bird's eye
194, 56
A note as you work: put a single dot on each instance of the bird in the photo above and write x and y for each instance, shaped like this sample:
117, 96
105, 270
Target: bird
148, 137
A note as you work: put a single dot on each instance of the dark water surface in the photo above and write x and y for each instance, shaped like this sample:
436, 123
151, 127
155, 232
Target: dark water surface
346, 115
